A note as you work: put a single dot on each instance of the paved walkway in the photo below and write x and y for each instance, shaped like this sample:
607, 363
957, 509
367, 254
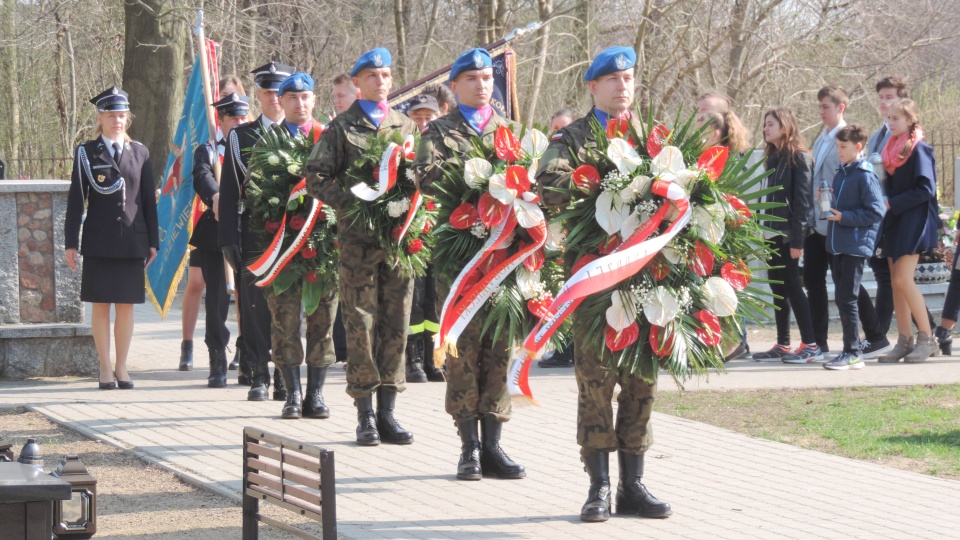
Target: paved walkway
721, 484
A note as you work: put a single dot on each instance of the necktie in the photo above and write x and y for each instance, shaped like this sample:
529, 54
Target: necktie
879, 141
116, 152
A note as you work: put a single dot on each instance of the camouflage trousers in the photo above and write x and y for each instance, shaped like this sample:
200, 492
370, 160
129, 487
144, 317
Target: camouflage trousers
376, 302
596, 382
477, 377
285, 310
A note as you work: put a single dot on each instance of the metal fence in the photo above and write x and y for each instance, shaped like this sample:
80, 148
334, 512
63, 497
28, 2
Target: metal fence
36, 167
945, 149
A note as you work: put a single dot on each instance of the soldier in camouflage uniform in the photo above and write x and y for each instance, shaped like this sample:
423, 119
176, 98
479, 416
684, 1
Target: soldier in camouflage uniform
376, 298
297, 99
610, 78
477, 377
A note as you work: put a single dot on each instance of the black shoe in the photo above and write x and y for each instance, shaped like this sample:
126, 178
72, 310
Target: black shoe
244, 376
279, 392
391, 432
367, 434
260, 383
235, 363
313, 405
414, 356
632, 496
468, 468
493, 460
944, 339
562, 359
597, 507
218, 369
186, 355
434, 374
293, 405
875, 348
112, 385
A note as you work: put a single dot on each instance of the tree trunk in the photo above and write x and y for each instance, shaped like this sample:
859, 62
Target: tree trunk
8, 14
738, 43
431, 28
399, 21
577, 92
155, 37
545, 8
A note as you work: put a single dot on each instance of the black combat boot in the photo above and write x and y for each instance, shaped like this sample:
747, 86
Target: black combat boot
493, 460
632, 496
186, 355
391, 432
260, 383
218, 369
313, 405
245, 374
468, 468
414, 356
279, 392
434, 374
293, 407
367, 434
235, 363
944, 339
597, 507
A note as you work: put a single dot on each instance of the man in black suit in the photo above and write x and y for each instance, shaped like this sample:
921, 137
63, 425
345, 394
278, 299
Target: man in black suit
232, 111
237, 240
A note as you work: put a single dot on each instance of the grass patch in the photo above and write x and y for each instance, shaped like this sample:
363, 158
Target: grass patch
914, 428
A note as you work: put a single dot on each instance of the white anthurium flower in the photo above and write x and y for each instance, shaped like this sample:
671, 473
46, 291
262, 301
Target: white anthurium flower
672, 214
635, 190
534, 143
669, 251
661, 306
707, 221
623, 156
500, 191
556, 237
527, 210
719, 296
476, 171
684, 177
532, 169
622, 313
611, 211
667, 164
632, 223
680, 349
273, 159
527, 282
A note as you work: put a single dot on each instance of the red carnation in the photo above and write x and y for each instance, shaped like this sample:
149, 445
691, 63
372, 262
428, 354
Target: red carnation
429, 205
414, 246
297, 222
336, 245
308, 253
272, 226
311, 277
427, 225
322, 215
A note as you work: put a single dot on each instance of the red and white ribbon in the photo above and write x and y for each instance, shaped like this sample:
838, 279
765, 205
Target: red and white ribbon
268, 266
415, 201
386, 179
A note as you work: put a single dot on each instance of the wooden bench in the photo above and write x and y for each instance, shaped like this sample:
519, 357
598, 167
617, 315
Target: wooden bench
289, 474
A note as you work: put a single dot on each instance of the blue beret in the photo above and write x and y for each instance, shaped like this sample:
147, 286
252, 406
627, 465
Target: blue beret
377, 58
298, 82
469, 61
610, 61
112, 99
233, 104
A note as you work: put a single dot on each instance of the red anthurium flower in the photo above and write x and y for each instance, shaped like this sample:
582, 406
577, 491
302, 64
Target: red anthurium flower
272, 226
712, 160
535, 260
664, 347
610, 244
464, 216
583, 261
703, 259
471, 279
490, 210
740, 206
492, 261
310, 277
660, 268
518, 179
297, 222
506, 145
540, 307
308, 253
658, 138
737, 275
586, 178
617, 127
709, 333
617, 341
414, 246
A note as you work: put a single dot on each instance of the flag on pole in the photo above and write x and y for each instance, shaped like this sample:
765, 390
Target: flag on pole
177, 204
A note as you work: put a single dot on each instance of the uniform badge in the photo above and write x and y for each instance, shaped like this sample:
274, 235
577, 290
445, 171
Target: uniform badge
621, 62
236, 97
273, 68
101, 178
478, 60
113, 90
298, 84
377, 60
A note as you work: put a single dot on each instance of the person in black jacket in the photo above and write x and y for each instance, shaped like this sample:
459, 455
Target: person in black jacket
113, 178
792, 167
232, 111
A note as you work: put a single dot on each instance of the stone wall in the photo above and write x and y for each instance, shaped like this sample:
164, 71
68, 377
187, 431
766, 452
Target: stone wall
35, 254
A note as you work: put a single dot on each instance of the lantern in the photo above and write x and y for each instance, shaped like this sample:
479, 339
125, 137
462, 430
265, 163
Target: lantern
76, 517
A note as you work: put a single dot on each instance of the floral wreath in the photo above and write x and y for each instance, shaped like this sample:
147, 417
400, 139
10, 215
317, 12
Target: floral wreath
301, 231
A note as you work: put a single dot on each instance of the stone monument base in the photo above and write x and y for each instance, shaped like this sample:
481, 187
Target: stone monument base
47, 350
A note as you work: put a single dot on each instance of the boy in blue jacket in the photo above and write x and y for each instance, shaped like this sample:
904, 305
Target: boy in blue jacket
851, 236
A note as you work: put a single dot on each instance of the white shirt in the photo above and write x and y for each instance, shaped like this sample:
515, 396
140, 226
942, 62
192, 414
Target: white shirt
110, 142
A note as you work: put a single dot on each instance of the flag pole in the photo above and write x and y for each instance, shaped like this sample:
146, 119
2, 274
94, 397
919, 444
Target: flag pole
207, 92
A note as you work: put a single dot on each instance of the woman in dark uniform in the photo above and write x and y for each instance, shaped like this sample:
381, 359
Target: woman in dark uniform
113, 178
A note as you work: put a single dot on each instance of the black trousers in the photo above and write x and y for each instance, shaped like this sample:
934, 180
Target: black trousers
951, 304
847, 274
254, 319
790, 293
816, 262
216, 301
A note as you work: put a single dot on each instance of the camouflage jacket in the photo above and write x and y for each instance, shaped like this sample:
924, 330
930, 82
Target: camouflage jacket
569, 147
446, 140
344, 142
